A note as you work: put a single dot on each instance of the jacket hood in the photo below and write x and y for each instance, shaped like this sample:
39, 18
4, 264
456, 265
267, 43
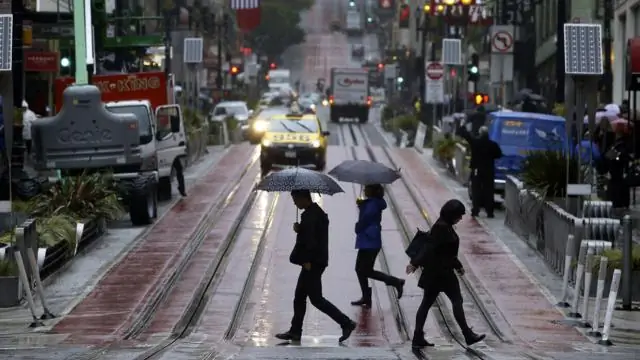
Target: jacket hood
379, 203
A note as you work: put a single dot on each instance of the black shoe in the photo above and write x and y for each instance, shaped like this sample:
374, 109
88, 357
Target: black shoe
365, 301
347, 330
491, 216
471, 338
475, 214
182, 192
400, 287
419, 341
289, 336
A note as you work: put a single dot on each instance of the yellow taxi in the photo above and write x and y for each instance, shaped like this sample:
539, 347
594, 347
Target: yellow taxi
259, 123
293, 140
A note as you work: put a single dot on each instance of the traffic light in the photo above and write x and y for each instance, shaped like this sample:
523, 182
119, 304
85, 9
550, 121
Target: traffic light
474, 68
433, 10
234, 70
453, 72
352, 4
66, 64
480, 99
405, 14
380, 66
369, 19
273, 66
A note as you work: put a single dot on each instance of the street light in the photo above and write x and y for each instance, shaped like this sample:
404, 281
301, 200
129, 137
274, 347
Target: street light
352, 4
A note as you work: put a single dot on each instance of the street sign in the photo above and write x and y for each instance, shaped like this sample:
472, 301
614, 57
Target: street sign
501, 68
390, 71
193, 50
502, 39
583, 49
452, 51
434, 83
6, 42
434, 70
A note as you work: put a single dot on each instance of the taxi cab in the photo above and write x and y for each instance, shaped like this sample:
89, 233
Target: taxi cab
259, 123
293, 140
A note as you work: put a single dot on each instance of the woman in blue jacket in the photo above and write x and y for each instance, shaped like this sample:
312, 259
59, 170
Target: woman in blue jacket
369, 243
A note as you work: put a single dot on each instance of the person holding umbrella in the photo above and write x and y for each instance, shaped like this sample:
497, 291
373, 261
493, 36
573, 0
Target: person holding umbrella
368, 228
369, 242
311, 250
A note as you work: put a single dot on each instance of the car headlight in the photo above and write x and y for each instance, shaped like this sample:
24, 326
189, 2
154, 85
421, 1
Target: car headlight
266, 142
316, 143
260, 126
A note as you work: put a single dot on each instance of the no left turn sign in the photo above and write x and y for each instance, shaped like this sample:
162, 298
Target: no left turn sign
502, 42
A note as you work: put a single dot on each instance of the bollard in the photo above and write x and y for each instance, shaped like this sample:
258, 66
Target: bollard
627, 262
588, 273
568, 258
602, 276
39, 288
25, 286
611, 306
579, 275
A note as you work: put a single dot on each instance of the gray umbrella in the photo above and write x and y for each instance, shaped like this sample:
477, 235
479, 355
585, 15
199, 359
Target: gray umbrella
364, 172
299, 179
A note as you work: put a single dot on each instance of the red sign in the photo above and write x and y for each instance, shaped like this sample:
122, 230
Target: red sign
150, 86
248, 13
435, 71
386, 4
41, 61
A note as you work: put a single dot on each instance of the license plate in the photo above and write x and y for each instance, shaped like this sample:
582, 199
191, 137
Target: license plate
290, 154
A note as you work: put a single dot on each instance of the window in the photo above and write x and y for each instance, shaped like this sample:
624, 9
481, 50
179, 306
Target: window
140, 112
299, 126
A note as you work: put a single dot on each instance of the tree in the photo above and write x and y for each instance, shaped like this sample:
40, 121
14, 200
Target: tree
279, 26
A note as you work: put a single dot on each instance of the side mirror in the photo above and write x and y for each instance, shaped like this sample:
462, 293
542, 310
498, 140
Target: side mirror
326, 133
175, 124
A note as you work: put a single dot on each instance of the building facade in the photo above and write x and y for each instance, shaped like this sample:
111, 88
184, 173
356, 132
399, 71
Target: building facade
626, 25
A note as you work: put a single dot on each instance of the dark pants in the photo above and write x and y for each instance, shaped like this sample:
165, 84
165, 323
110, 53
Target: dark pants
27, 144
179, 175
448, 284
310, 286
482, 190
365, 261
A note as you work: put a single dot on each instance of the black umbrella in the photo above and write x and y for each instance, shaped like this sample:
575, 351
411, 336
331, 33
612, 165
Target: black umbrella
364, 172
299, 179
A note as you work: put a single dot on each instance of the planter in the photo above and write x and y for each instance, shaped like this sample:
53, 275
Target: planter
635, 285
10, 294
54, 257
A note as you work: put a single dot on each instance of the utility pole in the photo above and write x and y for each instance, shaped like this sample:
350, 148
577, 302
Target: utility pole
560, 71
221, 20
167, 12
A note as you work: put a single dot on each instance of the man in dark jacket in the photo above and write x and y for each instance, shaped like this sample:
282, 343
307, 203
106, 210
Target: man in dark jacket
439, 262
311, 252
484, 153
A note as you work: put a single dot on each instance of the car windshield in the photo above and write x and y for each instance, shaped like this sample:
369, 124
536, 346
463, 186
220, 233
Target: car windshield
231, 110
300, 126
140, 112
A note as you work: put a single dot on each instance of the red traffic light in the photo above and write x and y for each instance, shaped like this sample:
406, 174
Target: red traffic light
380, 66
453, 73
273, 66
234, 70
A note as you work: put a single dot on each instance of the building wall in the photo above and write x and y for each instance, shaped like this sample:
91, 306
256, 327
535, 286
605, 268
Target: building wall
626, 25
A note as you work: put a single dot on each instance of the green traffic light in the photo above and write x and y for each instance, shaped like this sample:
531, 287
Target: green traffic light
369, 19
474, 69
65, 62
352, 4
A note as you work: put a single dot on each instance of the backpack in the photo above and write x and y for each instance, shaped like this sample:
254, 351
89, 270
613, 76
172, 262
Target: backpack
417, 243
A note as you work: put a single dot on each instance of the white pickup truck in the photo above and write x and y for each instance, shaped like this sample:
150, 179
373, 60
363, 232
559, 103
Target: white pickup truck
349, 96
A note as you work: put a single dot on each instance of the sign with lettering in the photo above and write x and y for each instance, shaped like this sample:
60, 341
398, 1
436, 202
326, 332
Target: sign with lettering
41, 61
150, 86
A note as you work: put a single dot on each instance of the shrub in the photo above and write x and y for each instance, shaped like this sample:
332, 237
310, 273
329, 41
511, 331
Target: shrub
57, 228
232, 123
88, 196
445, 149
615, 259
546, 172
405, 122
8, 268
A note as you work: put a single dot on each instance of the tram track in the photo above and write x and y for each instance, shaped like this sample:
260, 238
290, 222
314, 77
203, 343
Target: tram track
208, 286
444, 317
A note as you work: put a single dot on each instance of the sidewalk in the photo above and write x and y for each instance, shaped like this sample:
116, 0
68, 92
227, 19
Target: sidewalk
626, 325
75, 280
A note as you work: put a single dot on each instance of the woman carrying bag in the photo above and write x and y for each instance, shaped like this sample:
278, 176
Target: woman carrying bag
438, 259
369, 242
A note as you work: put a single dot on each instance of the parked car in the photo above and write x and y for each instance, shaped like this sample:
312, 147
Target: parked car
237, 109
